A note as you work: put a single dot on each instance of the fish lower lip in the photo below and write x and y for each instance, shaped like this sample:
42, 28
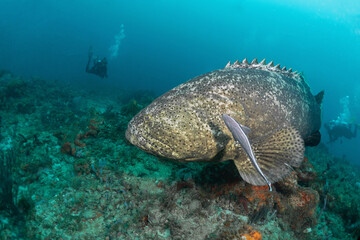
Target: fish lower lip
159, 151
147, 143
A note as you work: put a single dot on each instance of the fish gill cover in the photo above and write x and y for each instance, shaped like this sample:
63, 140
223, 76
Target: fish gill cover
67, 170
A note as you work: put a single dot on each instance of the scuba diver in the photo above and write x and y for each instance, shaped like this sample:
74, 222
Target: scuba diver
338, 129
99, 65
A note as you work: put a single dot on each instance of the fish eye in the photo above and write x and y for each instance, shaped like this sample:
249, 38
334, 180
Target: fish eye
147, 118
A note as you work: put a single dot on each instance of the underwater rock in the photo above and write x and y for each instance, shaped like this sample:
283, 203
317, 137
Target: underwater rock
25, 107
4, 72
299, 208
131, 108
68, 148
306, 172
289, 184
78, 105
16, 88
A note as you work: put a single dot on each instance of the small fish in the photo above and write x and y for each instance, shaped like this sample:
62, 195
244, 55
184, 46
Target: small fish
239, 133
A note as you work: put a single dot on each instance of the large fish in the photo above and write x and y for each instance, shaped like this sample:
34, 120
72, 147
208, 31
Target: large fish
186, 123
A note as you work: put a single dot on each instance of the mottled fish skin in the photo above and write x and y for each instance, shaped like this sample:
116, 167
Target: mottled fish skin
185, 124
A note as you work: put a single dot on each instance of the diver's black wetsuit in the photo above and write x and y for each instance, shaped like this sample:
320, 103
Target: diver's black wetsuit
99, 66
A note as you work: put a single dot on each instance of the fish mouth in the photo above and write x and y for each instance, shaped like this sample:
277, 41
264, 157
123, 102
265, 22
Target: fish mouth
137, 140
148, 143
134, 137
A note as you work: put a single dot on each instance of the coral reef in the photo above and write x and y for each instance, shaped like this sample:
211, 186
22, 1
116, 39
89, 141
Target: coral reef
67, 172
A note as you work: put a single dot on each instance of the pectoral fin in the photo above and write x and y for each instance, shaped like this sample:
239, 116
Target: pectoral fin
275, 155
245, 129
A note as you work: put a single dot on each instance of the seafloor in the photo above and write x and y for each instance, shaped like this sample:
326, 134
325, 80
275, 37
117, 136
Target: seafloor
67, 172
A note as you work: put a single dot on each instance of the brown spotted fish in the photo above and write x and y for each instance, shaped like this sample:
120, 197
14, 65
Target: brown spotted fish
258, 115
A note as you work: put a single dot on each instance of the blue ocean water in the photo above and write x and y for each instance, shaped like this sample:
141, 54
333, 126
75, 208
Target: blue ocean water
155, 46
160, 44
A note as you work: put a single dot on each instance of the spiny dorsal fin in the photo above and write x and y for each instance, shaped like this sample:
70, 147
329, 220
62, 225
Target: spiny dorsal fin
228, 64
263, 66
275, 155
245, 62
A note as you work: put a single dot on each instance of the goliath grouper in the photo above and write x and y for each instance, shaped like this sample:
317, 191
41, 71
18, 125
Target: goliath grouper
209, 118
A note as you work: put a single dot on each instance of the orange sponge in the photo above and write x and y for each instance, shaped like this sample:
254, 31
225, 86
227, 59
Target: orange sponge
254, 235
